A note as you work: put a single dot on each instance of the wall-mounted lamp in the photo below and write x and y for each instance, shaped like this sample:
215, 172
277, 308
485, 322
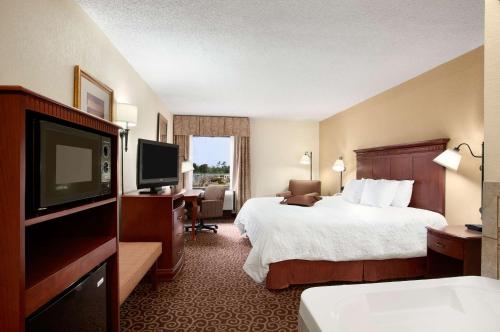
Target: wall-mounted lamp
451, 158
339, 166
125, 117
306, 159
186, 166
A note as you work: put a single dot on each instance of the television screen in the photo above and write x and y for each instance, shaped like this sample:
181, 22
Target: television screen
157, 164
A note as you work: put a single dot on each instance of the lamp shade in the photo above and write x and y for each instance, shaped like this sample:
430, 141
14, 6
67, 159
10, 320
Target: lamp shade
338, 166
449, 158
305, 159
126, 115
187, 166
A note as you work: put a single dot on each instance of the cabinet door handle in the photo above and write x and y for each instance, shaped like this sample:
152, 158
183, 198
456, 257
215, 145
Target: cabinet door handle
439, 244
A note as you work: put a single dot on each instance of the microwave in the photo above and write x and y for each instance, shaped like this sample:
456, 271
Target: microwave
65, 165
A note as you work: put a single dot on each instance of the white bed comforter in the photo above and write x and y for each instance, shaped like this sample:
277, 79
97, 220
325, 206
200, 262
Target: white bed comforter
333, 229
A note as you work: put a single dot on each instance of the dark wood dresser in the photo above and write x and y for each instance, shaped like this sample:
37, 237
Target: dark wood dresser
453, 251
158, 218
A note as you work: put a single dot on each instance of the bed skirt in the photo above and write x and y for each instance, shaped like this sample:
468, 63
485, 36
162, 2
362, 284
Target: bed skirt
298, 272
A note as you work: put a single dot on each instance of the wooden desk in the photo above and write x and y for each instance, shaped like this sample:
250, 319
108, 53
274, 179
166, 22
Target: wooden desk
192, 196
453, 251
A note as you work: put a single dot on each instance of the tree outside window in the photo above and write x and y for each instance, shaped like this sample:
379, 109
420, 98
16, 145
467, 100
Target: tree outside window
211, 161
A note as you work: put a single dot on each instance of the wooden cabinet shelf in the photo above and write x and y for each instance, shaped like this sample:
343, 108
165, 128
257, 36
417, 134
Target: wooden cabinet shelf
54, 265
43, 256
66, 212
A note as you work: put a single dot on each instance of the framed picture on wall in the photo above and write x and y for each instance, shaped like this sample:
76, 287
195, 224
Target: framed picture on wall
92, 96
162, 129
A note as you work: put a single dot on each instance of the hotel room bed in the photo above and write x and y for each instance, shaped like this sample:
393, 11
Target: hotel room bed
332, 230
339, 241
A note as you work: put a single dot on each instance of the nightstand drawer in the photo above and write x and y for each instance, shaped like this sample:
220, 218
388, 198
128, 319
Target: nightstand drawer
448, 246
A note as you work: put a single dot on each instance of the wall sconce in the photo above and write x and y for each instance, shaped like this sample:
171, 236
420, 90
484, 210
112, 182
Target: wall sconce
339, 166
186, 166
451, 158
125, 117
306, 159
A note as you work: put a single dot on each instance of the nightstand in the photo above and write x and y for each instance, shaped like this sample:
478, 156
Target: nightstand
453, 251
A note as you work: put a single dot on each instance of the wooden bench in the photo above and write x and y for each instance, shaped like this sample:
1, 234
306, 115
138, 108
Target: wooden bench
135, 260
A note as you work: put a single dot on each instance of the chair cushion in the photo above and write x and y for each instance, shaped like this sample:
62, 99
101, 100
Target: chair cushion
211, 209
303, 187
215, 192
135, 260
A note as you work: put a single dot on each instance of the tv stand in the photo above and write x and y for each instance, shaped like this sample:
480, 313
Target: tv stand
156, 218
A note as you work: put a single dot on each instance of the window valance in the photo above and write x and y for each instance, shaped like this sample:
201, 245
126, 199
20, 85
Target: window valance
211, 125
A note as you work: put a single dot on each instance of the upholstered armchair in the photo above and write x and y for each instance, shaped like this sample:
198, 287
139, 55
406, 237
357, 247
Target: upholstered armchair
211, 206
301, 187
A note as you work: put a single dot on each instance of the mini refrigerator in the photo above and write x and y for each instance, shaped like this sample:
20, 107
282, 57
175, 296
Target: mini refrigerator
81, 308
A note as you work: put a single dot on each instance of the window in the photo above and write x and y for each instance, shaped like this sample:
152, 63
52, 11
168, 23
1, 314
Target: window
211, 161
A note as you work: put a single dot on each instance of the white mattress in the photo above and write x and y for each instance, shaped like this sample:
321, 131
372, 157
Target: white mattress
333, 230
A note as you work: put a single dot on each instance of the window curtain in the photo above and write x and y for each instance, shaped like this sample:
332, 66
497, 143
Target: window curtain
186, 125
241, 173
183, 142
211, 126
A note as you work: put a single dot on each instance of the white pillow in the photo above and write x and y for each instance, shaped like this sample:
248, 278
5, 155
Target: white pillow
379, 193
353, 190
403, 193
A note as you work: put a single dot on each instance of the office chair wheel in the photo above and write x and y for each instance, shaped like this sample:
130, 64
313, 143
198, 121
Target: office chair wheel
215, 231
216, 227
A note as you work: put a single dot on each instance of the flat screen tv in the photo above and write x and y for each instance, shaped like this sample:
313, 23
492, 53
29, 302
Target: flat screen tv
157, 165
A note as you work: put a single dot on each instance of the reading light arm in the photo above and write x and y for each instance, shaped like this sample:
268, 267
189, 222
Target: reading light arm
470, 150
481, 168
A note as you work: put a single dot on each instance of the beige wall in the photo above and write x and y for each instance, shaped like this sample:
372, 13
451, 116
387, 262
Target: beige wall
492, 91
490, 253
275, 150
41, 42
446, 101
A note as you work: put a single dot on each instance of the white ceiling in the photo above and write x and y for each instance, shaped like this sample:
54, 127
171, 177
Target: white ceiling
295, 59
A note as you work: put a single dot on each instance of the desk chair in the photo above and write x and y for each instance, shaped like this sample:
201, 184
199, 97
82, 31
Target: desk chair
211, 207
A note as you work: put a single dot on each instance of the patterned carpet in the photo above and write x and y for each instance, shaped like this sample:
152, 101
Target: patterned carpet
212, 293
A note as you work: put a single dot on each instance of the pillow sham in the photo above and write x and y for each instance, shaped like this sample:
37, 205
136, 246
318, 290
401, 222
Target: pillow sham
379, 193
403, 193
353, 191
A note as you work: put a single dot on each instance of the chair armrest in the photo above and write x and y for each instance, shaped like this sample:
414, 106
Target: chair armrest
284, 194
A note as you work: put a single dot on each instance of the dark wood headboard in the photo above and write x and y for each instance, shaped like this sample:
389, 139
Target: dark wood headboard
408, 162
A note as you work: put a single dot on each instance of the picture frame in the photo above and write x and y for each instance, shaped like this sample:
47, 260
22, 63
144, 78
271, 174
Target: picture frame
92, 96
162, 129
